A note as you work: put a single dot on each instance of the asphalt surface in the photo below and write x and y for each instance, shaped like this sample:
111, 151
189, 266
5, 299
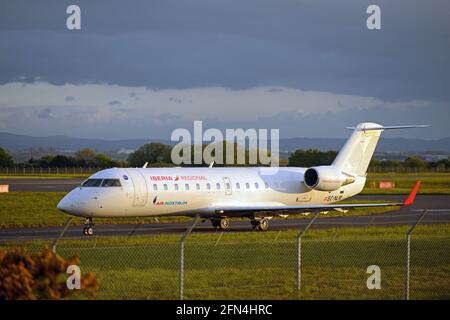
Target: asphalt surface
407, 215
439, 213
42, 184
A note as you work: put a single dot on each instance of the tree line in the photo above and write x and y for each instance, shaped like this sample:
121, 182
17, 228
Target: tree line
159, 154
314, 157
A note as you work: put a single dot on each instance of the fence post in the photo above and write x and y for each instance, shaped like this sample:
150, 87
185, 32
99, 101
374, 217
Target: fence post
55, 242
408, 252
183, 239
299, 249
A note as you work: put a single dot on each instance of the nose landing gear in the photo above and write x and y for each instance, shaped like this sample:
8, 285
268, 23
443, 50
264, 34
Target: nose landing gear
88, 229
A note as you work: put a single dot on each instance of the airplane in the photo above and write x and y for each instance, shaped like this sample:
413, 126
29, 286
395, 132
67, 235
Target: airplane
221, 193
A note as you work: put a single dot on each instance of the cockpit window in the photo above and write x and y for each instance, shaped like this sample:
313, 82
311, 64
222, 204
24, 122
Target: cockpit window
92, 183
111, 183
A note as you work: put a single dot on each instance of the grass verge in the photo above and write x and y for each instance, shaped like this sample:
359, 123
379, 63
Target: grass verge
264, 265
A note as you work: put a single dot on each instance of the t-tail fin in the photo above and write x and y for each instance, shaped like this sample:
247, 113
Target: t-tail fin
355, 155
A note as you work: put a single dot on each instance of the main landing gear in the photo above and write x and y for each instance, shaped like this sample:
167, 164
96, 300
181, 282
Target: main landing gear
261, 224
88, 229
221, 223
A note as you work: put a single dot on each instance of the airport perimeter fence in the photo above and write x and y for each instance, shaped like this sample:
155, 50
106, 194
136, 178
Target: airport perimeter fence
374, 260
29, 170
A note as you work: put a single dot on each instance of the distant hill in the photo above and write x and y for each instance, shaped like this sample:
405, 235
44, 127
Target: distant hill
21, 142
14, 142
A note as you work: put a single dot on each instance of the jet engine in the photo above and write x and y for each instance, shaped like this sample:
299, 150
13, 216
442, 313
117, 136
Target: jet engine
326, 178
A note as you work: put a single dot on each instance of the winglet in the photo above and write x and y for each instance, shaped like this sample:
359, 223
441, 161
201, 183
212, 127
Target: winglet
412, 195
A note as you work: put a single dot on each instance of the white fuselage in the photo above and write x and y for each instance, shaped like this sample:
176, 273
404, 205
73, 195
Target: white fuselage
190, 191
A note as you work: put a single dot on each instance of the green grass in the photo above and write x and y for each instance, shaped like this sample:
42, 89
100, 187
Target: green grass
258, 265
432, 182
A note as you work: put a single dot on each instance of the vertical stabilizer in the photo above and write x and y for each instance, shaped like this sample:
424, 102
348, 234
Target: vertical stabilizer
355, 155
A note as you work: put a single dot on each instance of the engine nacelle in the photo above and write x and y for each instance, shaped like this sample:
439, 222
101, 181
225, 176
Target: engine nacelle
326, 178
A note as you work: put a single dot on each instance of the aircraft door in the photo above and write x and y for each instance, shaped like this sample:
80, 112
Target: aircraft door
228, 187
140, 187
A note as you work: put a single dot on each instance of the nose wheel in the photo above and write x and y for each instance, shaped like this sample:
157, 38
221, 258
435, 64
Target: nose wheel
88, 229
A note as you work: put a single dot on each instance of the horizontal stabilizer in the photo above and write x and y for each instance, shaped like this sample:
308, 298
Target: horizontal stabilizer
390, 127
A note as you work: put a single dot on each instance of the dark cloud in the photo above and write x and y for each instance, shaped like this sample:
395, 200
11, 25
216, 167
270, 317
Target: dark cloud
311, 45
316, 45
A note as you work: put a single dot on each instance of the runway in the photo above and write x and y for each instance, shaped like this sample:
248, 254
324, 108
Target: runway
42, 184
404, 216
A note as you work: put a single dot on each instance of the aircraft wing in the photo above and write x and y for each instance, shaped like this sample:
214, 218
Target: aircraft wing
280, 208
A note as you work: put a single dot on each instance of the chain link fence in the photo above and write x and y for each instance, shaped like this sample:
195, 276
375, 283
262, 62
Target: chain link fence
348, 262
29, 170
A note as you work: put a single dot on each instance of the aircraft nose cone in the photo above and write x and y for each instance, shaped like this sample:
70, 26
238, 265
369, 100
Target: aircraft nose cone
64, 204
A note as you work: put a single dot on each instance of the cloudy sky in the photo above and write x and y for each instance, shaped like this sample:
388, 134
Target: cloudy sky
139, 69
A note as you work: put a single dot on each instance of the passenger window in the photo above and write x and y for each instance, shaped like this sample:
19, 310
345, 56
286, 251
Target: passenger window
92, 183
186, 186
238, 186
155, 187
256, 185
247, 185
176, 186
197, 186
208, 186
165, 187
218, 186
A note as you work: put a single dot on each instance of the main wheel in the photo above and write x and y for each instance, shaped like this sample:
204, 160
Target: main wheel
89, 231
224, 223
263, 224
85, 231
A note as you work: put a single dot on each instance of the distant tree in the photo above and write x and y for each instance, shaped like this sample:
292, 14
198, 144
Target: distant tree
152, 153
241, 156
62, 161
44, 161
414, 162
85, 156
442, 164
103, 160
311, 157
391, 164
375, 163
6, 160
